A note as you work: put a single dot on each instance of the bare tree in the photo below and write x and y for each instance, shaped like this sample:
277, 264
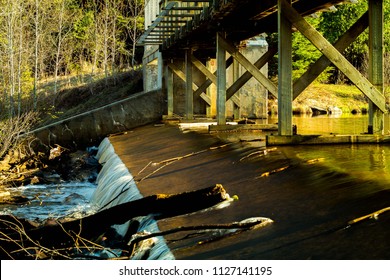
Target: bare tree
135, 23
11, 130
64, 18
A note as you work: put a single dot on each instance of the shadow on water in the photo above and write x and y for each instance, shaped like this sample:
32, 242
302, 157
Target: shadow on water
311, 203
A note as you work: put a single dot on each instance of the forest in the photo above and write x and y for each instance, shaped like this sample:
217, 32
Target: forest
67, 43
43, 40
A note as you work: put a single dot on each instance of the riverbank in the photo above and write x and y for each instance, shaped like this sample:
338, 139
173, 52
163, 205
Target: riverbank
59, 165
339, 98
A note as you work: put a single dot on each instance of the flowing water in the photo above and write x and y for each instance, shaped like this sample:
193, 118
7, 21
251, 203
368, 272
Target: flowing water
114, 185
366, 169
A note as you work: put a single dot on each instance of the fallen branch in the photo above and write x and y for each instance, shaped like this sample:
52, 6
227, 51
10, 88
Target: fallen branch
65, 234
266, 174
250, 224
259, 153
369, 216
169, 161
232, 228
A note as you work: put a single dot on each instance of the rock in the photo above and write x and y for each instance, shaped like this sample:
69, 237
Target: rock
56, 152
334, 110
7, 198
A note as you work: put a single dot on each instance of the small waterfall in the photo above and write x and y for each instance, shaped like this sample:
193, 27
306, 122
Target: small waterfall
116, 185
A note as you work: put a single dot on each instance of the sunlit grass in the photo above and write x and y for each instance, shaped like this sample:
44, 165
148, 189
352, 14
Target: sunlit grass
346, 97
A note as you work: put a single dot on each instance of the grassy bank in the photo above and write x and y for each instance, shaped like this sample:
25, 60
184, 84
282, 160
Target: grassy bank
348, 98
77, 99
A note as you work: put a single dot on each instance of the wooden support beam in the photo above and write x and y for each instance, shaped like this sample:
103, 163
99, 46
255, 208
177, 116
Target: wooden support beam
247, 75
221, 80
375, 69
236, 99
180, 74
323, 62
202, 68
169, 85
255, 72
333, 55
189, 95
206, 98
203, 87
284, 71
211, 91
198, 91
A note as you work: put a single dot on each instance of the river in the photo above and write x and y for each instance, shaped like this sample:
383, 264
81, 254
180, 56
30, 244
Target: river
311, 202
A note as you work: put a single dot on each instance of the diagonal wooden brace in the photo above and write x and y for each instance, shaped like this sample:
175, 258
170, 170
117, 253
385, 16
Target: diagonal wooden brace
180, 74
334, 55
252, 69
323, 62
247, 75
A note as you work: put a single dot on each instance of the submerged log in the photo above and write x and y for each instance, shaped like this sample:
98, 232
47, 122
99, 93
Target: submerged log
67, 233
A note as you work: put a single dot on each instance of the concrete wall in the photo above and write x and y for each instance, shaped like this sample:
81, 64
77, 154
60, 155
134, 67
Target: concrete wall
91, 127
253, 95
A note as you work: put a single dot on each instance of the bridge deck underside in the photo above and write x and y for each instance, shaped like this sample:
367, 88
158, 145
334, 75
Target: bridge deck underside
183, 24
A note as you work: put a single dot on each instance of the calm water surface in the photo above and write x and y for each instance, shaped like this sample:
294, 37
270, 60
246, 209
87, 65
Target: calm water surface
335, 124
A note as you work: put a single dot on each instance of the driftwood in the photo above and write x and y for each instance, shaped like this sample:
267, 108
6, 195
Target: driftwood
246, 224
373, 215
65, 234
164, 163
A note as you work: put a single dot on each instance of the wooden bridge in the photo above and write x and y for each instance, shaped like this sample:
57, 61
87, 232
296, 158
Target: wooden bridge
196, 32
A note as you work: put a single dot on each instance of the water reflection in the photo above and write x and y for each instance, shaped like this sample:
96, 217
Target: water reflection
332, 124
366, 162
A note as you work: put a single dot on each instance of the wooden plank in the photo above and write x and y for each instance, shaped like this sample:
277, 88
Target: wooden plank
285, 92
221, 80
276, 140
247, 75
156, 22
334, 55
375, 69
241, 127
323, 62
249, 66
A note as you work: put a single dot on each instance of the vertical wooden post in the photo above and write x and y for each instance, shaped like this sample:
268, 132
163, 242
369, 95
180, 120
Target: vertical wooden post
221, 81
189, 93
211, 90
236, 76
285, 86
169, 85
375, 72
